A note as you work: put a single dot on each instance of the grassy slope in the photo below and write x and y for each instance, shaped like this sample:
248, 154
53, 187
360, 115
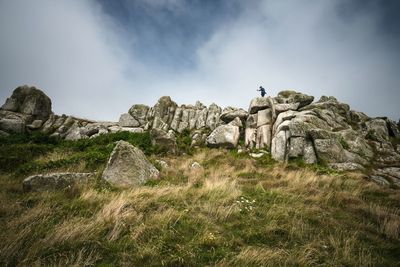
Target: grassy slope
235, 211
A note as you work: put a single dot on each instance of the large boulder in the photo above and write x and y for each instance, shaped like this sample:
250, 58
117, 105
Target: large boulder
13, 122
289, 97
260, 103
128, 166
164, 109
224, 136
126, 120
139, 113
213, 116
54, 181
30, 101
230, 113
377, 130
12, 125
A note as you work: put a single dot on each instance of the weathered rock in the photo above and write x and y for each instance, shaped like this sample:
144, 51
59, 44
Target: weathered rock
164, 140
330, 103
198, 138
12, 125
263, 138
346, 166
165, 109
126, 120
230, 113
390, 174
139, 113
264, 117
251, 121
36, 124
250, 137
54, 181
162, 164
30, 101
377, 130
358, 117
288, 115
260, 103
224, 136
289, 97
329, 150
202, 119
74, 133
279, 146
176, 119
393, 129
257, 155
236, 122
159, 124
195, 166
286, 107
128, 166
213, 117
116, 129
380, 180
309, 155
296, 147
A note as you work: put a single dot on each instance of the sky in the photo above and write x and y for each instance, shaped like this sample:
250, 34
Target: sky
96, 58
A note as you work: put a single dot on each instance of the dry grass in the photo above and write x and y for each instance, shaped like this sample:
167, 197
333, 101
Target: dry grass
231, 212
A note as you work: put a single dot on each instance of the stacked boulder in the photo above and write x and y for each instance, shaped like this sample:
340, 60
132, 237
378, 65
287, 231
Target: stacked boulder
292, 126
26, 109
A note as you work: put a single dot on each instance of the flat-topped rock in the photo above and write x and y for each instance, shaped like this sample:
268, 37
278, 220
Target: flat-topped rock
54, 181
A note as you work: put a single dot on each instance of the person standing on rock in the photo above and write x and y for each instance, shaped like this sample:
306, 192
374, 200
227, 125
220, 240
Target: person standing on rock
262, 90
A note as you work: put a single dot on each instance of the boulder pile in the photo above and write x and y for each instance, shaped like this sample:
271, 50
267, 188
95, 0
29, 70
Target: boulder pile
290, 125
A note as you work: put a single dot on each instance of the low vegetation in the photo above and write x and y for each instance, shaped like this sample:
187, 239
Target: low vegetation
233, 211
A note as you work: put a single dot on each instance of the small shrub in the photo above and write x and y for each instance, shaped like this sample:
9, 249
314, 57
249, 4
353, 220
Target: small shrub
184, 141
344, 144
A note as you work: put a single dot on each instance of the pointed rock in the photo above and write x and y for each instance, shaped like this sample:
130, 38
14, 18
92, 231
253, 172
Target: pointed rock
128, 166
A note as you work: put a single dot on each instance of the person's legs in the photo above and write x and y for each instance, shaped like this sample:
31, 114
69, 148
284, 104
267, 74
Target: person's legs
262, 94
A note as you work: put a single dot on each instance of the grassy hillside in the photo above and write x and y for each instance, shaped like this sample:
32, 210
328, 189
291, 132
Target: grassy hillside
234, 211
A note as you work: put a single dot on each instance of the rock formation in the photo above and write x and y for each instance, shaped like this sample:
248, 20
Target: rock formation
290, 125
27, 106
327, 131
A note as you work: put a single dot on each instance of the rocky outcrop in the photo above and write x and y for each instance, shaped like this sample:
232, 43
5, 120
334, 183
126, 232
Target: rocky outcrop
290, 125
128, 166
55, 181
25, 106
30, 101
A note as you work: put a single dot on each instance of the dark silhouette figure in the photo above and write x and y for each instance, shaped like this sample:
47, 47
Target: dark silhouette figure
262, 90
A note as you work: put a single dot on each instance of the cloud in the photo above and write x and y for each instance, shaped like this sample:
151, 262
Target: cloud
97, 58
308, 46
67, 48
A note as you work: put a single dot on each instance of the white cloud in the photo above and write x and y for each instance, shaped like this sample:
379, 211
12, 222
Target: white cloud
66, 48
81, 58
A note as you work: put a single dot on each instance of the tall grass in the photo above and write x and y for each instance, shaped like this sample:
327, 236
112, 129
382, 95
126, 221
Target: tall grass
233, 211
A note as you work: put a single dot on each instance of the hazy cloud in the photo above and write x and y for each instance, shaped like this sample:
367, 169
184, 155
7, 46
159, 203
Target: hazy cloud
96, 58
